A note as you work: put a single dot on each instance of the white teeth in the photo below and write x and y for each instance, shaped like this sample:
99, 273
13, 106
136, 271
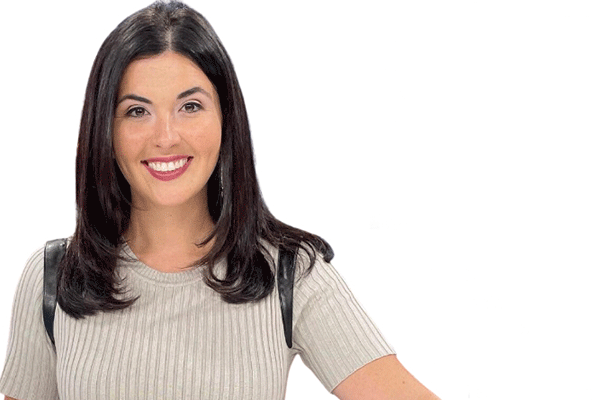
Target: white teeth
167, 167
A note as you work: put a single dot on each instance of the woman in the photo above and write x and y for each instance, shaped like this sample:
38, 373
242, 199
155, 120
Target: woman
167, 289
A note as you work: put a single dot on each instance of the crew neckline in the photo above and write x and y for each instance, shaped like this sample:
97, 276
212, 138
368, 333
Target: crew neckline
182, 277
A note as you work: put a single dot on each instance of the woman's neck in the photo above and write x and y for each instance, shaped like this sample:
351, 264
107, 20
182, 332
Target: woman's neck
166, 236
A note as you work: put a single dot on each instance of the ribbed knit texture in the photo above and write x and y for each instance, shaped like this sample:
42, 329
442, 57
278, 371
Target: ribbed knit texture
181, 341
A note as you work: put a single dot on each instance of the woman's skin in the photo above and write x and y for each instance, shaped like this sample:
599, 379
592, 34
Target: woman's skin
383, 379
168, 217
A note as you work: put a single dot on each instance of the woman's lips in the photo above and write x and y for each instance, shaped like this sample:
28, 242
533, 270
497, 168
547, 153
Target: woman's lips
167, 175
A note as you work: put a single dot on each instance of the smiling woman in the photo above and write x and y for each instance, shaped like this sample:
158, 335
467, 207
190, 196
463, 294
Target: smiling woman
167, 105
167, 289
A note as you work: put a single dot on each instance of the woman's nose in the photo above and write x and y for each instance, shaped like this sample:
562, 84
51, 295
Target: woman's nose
166, 133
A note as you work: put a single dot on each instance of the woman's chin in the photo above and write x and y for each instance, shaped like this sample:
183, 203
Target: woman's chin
171, 201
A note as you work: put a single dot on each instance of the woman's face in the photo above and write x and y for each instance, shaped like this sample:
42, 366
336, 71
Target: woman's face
167, 131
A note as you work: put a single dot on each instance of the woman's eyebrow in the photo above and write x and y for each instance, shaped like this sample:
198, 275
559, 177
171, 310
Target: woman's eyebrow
181, 95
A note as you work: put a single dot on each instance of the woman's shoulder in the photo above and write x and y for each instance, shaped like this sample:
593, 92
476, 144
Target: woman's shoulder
32, 276
314, 272
29, 290
34, 269
306, 259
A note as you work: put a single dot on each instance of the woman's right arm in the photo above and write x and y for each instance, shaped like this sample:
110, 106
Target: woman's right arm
30, 365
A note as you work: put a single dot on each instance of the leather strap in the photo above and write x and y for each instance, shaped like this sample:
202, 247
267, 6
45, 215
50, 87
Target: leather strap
285, 283
53, 253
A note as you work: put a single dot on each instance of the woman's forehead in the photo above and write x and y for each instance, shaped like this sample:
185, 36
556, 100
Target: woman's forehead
166, 72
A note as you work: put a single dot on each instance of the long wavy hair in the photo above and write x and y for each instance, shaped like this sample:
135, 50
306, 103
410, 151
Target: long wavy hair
87, 278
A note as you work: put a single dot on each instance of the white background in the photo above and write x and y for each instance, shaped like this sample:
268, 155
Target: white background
447, 150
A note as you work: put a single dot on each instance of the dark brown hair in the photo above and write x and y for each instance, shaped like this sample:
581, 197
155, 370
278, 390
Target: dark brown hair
88, 282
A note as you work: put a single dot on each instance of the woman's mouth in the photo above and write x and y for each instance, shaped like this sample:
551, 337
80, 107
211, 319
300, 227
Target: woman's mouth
167, 168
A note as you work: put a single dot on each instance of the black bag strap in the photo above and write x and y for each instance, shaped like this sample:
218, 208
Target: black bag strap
55, 250
285, 284
53, 253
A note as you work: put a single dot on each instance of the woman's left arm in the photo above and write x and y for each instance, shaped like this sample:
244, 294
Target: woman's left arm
383, 379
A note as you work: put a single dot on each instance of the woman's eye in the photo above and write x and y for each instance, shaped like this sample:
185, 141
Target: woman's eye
136, 112
192, 107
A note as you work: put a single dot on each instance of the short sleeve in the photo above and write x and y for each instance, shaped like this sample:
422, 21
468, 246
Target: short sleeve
30, 366
332, 333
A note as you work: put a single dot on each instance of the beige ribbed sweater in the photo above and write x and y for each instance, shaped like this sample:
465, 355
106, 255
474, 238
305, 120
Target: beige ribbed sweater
181, 341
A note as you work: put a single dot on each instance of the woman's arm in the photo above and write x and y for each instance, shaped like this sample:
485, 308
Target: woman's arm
383, 379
